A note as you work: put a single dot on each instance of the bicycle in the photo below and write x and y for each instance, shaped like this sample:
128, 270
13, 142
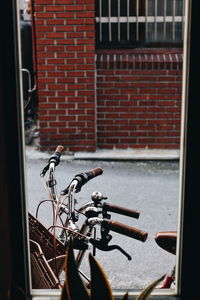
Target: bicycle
65, 217
167, 241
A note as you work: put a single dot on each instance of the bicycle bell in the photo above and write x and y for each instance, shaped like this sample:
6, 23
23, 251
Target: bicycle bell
97, 197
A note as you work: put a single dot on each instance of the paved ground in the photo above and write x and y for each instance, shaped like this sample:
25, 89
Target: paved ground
152, 187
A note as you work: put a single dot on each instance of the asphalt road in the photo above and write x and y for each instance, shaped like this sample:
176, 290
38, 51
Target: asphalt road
150, 187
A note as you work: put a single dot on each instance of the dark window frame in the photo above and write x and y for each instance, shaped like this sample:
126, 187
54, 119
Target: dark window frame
15, 267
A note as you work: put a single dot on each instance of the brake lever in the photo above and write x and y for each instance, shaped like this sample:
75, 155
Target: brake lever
43, 172
103, 245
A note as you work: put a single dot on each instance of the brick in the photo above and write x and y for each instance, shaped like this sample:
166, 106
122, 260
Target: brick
43, 15
45, 68
89, 5
66, 80
43, 2
76, 74
83, 2
47, 80
57, 112
43, 93
90, 48
64, 41
66, 93
57, 124
59, 23
55, 8
56, 99
56, 35
44, 28
75, 48
75, 21
85, 14
65, 54
44, 55
67, 118
56, 86
44, 42
75, 35
55, 61
48, 130
85, 28
66, 67
66, 2
64, 15
40, 35
56, 74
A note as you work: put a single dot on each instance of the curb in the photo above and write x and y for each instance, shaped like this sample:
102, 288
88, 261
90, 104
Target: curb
109, 155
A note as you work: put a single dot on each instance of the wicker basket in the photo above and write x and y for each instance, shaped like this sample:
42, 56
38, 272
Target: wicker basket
43, 276
47, 255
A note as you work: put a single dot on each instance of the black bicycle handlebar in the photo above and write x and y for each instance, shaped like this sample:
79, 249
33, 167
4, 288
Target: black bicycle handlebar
125, 230
121, 210
83, 178
55, 158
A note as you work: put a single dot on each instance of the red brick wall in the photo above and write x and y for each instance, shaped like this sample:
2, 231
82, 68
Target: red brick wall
139, 98
124, 99
66, 73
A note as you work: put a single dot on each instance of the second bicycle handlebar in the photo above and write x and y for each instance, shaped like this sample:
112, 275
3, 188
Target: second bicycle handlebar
125, 230
121, 210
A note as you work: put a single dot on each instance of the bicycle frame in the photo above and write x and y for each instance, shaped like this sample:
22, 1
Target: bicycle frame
86, 234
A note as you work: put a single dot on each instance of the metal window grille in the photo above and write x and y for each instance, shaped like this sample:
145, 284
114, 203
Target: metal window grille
126, 23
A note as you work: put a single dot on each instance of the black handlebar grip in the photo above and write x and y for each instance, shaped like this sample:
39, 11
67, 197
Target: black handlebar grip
83, 178
121, 210
126, 230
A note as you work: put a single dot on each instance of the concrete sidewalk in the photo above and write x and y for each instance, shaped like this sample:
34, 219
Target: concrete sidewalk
109, 155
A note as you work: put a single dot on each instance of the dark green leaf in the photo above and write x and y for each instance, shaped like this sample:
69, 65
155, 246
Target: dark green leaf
64, 293
100, 287
75, 288
144, 295
125, 297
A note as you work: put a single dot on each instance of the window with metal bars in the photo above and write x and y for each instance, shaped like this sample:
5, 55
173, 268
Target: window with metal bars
133, 23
